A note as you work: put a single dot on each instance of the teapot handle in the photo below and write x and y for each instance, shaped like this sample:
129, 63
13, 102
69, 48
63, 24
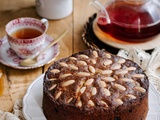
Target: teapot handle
98, 6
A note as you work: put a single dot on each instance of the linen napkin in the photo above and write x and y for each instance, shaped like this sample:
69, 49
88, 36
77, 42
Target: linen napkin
7, 116
17, 112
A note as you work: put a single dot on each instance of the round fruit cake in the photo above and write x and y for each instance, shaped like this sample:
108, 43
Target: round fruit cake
95, 85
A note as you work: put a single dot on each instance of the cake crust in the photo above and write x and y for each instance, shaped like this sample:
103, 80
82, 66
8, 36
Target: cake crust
95, 85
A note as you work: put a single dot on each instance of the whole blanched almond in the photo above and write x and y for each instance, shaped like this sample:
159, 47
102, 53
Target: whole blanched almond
83, 63
104, 103
106, 72
72, 58
106, 92
83, 56
67, 83
131, 96
127, 80
121, 72
109, 79
99, 71
65, 75
58, 95
79, 104
90, 103
63, 64
120, 87
93, 90
107, 62
131, 68
83, 74
92, 69
52, 87
138, 75
108, 55
121, 61
79, 87
95, 53
116, 66
93, 61
55, 71
102, 84
82, 90
73, 67
69, 100
89, 82
118, 101
140, 89
52, 79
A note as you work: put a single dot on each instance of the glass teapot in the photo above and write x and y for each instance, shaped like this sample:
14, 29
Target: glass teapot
131, 20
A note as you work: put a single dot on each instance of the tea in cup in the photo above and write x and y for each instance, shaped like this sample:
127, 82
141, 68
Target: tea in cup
26, 36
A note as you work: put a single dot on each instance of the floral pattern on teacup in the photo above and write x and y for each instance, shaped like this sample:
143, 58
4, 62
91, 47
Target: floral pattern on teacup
13, 55
10, 52
28, 52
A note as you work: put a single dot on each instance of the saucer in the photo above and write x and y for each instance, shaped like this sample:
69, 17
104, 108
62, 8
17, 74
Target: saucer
9, 58
148, 44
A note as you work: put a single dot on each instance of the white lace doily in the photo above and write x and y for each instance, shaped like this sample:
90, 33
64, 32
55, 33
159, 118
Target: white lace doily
150, 63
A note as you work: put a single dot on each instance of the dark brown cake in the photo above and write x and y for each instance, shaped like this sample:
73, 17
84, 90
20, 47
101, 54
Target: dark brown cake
95, 85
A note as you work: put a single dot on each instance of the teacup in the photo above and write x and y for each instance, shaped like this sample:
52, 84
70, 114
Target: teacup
26, 36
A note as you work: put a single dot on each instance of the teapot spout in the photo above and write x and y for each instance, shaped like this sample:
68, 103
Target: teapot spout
99, 7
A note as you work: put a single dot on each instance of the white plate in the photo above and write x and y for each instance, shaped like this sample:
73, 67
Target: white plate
150, 43
9, 58
32, 102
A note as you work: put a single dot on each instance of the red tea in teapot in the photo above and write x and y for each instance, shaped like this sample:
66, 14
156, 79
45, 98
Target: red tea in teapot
130, 21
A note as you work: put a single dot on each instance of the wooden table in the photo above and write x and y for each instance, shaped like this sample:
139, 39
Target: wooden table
17, 81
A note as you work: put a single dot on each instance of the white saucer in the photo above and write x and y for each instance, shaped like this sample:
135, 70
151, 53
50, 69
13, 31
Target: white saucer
32, 102
149, 44
9, 58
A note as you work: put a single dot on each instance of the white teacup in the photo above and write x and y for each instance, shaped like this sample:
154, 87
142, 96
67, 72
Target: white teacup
54, 9
26, 36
